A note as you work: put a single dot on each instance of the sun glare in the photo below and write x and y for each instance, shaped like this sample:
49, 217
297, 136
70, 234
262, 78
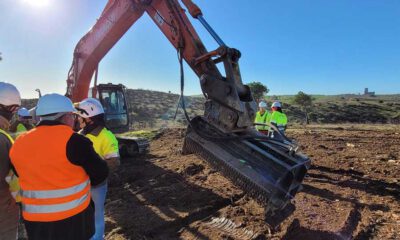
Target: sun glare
37, 3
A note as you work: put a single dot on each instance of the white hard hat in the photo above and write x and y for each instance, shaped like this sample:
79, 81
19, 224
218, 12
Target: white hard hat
89, 107
9, 95
276, 104
23, 112
262, 104
32, 112
54, 103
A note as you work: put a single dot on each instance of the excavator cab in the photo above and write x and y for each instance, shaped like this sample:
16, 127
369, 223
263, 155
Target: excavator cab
112, 97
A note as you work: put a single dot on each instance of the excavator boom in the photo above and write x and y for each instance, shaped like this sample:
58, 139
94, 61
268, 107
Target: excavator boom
269, 170
236, 108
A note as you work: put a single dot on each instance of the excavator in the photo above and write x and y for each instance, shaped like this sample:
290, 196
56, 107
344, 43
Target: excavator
267, 169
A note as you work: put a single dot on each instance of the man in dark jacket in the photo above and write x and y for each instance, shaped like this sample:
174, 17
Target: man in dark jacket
56, 177
10, 100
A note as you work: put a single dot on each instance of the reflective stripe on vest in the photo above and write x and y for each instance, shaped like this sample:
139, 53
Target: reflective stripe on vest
281, 127
41, 194
7, 135
54, 208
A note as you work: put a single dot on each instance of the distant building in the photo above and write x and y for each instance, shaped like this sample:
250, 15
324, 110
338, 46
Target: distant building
369, 94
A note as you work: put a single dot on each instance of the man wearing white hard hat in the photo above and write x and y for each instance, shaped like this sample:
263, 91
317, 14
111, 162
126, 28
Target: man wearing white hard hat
35, 118
262, 117
278, 118
106, 145
56, 177
10, 100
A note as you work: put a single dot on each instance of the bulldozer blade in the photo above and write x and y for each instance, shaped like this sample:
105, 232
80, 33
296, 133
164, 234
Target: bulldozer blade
267, 170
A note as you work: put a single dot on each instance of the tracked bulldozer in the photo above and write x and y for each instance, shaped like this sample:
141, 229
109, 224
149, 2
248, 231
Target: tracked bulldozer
269, 170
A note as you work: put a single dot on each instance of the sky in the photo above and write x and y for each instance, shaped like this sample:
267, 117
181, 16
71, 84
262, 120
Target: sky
315, 46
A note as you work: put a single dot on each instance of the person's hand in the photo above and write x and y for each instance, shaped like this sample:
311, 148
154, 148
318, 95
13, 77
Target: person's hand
113, 163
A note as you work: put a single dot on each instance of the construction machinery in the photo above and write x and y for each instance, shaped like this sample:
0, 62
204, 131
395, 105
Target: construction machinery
269, 170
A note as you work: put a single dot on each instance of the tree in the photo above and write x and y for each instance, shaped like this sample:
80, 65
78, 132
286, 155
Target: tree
259, 90
305, 102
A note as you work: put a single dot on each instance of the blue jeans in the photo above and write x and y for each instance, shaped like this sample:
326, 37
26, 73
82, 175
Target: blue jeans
99, 197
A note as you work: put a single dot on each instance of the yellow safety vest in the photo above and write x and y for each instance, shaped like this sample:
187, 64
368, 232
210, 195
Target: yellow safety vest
280, 120
262, 119
21, 128
105, 144
11, 178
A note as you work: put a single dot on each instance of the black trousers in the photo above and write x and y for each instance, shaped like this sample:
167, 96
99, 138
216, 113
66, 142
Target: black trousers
78, 227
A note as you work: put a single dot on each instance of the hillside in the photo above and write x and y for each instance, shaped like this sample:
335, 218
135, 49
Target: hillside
346, 108
153, 108
156, 106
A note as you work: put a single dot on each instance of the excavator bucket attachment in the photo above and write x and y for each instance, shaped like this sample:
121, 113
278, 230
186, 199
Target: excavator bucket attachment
270, 171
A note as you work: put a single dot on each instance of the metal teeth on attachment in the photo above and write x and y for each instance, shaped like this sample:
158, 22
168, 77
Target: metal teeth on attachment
264, 172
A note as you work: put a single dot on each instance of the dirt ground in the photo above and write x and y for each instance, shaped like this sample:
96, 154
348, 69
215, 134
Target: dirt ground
352, 191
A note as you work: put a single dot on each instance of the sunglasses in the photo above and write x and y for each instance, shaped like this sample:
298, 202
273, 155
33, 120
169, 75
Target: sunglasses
11, 108
82, 111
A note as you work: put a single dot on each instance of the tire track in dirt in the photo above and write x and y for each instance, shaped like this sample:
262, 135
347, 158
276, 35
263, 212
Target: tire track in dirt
201, 214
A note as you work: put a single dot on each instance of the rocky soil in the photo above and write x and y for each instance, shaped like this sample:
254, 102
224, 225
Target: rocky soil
352, 191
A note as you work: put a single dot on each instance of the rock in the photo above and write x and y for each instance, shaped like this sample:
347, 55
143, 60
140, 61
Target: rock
350, 145
322, 146
382, 157
194, 169
391, 161
379, 212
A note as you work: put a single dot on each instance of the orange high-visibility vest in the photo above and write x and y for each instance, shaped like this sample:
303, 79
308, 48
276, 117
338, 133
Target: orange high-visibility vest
52, 187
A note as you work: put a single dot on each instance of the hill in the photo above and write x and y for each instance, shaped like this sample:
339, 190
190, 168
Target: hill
347, 108
153, 108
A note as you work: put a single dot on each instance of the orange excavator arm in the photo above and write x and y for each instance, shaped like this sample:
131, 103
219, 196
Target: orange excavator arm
231, 101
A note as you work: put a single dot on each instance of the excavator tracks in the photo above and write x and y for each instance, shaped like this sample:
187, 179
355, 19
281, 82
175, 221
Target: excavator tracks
132, 146
267, 170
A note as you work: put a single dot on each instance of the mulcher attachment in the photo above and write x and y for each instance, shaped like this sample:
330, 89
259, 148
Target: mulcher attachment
267, 170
